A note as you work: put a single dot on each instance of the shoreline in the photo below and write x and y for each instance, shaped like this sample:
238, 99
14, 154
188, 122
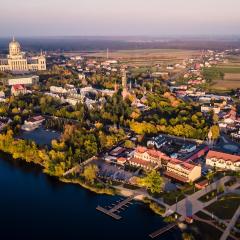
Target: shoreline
111, 191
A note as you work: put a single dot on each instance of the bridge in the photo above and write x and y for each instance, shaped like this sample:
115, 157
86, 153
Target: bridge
114, 208
163, 230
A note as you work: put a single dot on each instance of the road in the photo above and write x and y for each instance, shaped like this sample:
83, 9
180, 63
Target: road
191, 205
231, 225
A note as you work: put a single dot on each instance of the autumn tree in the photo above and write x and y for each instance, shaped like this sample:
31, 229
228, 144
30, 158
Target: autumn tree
215, 132
153, 181
90, 173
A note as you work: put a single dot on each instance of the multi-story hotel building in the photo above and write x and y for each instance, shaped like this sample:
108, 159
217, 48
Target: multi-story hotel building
223, 161
176, 169
147, 158
182, 171
16, 61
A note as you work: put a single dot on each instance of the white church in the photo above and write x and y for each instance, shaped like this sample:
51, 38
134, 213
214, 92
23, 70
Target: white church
16, 61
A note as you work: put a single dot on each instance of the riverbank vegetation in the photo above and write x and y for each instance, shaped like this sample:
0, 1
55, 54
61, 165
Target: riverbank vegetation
155, 207
53, 162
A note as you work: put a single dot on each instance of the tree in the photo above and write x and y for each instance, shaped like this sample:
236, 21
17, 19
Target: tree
187, 236
215, 132
210, 176
90, 173
129, 144
153, 182
215, 118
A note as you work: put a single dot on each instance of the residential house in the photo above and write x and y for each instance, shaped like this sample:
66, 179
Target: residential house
18, 89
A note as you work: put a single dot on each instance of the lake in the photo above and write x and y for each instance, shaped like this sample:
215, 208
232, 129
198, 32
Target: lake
35, 206
41, 136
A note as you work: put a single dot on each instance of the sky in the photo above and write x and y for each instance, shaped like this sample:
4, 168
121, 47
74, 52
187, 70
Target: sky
119, 17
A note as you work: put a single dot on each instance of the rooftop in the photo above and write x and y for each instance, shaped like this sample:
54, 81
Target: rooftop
142, 162
223, 156
151, 152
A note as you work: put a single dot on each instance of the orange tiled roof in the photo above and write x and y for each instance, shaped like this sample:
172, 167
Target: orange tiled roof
142, 162
223, 156
121, 159
151, 152
185, 165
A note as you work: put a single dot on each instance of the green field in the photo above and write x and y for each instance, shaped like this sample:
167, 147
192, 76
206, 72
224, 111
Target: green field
231, 78
225, 207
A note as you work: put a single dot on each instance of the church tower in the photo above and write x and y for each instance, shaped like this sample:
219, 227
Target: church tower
124, 84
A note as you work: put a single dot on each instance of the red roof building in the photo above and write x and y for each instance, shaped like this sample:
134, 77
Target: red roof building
18, 89
223, 160
147, 158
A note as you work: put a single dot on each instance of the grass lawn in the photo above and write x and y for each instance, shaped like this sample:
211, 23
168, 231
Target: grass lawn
225, 207
170, 198
190, 190
204, 231
203, 216
209, 196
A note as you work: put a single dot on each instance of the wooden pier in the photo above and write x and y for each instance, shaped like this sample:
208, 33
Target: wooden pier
162, 230
115, 208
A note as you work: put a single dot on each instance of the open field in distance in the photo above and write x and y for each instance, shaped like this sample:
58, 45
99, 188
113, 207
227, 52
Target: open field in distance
145, 56
223, 85
231, 70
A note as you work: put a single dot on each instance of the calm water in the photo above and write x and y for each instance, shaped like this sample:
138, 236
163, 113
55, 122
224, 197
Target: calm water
34, 206
41, 136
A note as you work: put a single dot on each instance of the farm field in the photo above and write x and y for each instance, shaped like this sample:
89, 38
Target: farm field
223, 85
231, 79
148, 56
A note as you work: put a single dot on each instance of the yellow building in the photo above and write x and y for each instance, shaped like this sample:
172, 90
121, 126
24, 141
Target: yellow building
16, 61
182, 171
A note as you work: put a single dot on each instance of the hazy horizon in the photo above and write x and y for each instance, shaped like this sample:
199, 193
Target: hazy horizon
119, 18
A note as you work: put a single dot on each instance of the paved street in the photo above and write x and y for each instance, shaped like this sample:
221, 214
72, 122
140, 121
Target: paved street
231, 225
191, 205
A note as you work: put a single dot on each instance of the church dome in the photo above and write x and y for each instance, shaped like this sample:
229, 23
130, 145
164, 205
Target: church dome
14, 47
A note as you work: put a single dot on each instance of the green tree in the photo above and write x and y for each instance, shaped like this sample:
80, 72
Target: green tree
129, 144
210, 176
153, 182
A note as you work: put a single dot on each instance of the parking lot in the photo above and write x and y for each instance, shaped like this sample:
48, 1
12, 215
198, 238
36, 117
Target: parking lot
113, 171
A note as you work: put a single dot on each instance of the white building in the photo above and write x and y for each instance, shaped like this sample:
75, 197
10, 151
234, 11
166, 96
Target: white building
30, 80
58, 90
208, 108
16, 61
32, 123
223, 161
